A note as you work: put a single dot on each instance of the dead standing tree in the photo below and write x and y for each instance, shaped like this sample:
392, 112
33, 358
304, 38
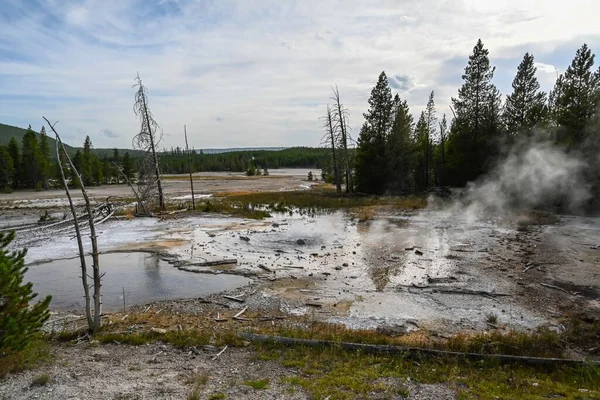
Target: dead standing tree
147, 140
93, 322
330, 139
340, 116
187, 149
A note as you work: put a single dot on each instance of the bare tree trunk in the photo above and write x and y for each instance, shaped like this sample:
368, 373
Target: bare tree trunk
336, 172
86, 288
161, 199
187, 148
93, 237
342, 122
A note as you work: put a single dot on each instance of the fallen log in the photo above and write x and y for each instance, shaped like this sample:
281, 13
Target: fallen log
413, 352
212, 263
262, 266
472, 292
234, 298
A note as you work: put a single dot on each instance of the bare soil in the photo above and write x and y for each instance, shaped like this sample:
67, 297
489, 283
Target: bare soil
160, 371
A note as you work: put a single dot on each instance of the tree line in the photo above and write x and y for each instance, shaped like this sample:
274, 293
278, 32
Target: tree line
31, 166
176, 161
396, 155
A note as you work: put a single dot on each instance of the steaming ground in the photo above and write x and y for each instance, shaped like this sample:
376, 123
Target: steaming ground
432, 270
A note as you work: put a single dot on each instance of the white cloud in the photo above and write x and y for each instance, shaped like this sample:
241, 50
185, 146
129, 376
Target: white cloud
263, 67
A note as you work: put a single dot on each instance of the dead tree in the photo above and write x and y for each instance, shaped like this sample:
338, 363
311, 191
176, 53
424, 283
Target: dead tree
148, 138
443, 135
340, 115
86, 289
96, 277
187, 149
330, 138
140, 201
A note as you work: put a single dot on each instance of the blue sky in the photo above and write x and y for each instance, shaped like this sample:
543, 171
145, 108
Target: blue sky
258, 73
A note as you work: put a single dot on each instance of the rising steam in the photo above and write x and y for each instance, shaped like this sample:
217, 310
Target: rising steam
538, 174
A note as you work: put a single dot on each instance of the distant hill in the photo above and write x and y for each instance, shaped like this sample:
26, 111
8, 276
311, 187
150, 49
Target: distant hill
8, 131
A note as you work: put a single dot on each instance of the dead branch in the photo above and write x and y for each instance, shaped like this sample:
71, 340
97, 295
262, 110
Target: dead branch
219, 353
554, 287
187, 149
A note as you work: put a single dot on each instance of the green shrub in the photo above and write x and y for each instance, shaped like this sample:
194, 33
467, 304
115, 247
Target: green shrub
19, 323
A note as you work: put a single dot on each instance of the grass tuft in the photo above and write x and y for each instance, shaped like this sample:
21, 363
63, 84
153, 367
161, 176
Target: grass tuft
257, 385
40, 380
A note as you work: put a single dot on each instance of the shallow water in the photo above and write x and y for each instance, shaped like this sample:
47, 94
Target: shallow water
143, 276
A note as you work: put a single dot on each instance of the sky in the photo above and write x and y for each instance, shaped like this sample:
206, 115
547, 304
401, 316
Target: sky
259, 73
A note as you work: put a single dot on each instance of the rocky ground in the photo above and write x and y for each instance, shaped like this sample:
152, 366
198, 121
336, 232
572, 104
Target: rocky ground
159, 371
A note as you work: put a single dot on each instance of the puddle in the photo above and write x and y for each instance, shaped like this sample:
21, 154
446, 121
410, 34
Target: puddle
144, 277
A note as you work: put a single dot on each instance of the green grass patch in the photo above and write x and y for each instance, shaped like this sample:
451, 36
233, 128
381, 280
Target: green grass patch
334, 374
323, 199
258, 384
217, 396
36, 354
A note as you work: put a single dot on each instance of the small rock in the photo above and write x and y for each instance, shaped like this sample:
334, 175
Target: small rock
418, 252
344, 264
301, 242
245, 238
208, 347
159, 330
275, 225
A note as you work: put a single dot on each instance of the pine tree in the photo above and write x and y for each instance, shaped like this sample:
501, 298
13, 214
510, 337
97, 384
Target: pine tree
97, 171
399, 149
87, 162
525, 107
107, 170
477, 119
78, 162
576, 96
117, 160
370, 162
421, 139
45, 160
18, 322
30, 160
7, 168
127, 166
15, 155
430, 134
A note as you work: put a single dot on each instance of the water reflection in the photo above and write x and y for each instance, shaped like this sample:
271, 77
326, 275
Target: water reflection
143, 277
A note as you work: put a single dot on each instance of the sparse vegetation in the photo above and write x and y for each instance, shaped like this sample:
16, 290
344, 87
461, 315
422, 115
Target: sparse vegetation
40, 380
217, 396
258, 384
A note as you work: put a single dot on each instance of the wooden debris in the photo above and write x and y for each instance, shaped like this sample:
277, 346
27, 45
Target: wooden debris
158, 330
237, 316
316, 305
219, 319
418, 252
528, 268
219, 353
554, 287
472, 292
245, 238
234, 298
212, 263
262, 266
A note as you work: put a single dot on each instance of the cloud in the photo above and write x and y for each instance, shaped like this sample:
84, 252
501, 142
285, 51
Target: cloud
109, 133
265, 67
402, 83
